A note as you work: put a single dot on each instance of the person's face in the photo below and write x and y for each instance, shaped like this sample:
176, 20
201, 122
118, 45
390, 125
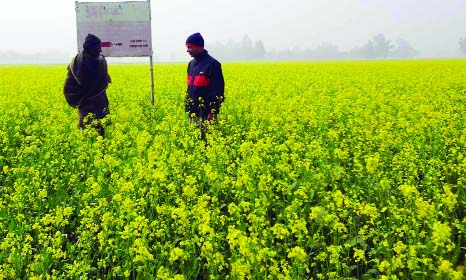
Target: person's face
95, 52
194, 50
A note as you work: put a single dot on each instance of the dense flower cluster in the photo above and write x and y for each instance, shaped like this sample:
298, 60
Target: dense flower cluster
314, 171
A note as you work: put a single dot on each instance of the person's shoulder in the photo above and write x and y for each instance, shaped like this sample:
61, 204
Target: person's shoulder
76, 60
102, 59
213, 60
216, 62
191, 62
78, 57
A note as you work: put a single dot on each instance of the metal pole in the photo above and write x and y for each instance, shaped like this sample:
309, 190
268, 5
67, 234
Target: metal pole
151, 59
151, 81
76, 11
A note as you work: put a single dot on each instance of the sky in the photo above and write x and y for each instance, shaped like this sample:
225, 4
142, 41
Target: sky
431, 26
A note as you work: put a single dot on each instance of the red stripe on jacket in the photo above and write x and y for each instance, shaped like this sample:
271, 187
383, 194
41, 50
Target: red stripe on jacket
201, 81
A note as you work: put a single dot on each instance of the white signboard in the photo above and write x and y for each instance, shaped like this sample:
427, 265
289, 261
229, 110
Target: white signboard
123, 27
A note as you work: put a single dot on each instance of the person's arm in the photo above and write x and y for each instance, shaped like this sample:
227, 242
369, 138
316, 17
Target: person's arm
188, 77
109, 79
217, 83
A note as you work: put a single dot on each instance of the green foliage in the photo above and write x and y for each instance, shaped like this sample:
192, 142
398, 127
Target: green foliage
314, 171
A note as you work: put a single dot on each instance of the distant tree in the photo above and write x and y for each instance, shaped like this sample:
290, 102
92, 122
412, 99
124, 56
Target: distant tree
377, 47
382, 46
367, 51
259, 50
246, 42
463, 45
246, 52
243, 50
327, 51
404, 49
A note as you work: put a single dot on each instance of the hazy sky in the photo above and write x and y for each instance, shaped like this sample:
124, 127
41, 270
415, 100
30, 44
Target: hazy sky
431, 26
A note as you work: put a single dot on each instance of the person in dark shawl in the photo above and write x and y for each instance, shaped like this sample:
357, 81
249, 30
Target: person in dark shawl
86, 84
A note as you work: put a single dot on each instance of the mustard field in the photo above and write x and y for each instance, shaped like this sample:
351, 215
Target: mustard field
330, 170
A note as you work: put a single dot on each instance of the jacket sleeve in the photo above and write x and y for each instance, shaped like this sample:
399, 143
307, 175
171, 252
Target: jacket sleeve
217, 82
187, 76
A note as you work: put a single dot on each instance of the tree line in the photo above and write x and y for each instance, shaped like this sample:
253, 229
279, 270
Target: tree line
378, 47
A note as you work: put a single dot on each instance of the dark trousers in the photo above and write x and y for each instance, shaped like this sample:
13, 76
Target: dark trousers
92, 111
202, 114
91, 120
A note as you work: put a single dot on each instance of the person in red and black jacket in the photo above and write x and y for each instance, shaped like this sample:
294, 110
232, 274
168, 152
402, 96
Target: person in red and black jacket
205, 93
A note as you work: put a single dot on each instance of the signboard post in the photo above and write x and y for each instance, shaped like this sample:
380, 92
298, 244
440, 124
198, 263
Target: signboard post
151, 61
123, 27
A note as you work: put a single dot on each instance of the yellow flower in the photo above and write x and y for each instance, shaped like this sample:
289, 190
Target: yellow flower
359, 255
372, 163
441, 236
446, 270
384, 266
298, 254
449, 198
176, 254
